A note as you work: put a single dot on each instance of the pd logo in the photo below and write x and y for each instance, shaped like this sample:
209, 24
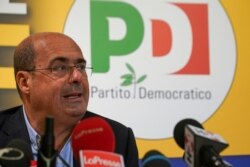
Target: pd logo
103, 47
155, 62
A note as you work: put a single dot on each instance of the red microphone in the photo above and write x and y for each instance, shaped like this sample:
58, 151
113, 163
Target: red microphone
93, 134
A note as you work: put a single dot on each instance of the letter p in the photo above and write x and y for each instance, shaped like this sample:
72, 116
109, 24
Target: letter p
102, 47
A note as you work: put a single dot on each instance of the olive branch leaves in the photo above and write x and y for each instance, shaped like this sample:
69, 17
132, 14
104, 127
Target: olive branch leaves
131, 78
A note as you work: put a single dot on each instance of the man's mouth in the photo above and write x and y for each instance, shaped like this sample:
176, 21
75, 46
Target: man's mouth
73, 95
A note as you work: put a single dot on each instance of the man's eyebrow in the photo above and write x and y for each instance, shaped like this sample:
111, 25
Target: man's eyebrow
62, 59
66, 60
82, 60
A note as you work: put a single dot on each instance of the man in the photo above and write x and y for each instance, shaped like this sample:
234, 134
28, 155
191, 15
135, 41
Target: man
51, 78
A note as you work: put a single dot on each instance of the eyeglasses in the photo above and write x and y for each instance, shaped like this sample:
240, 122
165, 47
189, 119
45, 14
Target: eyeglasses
61, 70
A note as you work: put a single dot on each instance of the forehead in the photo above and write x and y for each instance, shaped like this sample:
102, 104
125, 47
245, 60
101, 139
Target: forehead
61, 48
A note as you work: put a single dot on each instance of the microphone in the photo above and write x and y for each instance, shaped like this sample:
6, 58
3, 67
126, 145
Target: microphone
154, 158
46, 153
17, 153
92, 134
93, 143
179, 133
201, 147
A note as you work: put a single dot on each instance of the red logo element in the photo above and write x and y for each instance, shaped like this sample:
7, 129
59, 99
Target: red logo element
162, 39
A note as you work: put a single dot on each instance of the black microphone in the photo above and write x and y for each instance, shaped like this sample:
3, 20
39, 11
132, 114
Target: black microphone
17, 153
154, 158
179, 134
201, 147
46, 153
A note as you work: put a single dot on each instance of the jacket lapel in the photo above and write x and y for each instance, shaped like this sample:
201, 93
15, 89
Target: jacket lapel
15, 127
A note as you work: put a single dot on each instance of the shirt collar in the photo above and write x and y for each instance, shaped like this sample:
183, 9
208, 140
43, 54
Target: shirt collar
33, 135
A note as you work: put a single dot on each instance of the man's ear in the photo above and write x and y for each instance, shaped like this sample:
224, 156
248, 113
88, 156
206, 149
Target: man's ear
23, 81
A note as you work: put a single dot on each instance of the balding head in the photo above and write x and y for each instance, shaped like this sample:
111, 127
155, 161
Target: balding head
26, 51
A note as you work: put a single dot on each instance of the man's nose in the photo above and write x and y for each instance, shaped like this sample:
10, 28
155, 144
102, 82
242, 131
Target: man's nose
75, 75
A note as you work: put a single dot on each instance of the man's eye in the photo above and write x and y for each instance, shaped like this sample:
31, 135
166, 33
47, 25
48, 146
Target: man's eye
81, 67
60, 68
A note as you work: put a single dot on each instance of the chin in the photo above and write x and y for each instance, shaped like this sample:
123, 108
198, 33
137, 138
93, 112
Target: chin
76, 111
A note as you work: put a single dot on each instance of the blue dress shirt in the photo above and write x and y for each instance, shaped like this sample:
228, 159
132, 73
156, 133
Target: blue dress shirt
65, 155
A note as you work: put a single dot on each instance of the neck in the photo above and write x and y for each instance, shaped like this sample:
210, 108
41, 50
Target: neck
62, 134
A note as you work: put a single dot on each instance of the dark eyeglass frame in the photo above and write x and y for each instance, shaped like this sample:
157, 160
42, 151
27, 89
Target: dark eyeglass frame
62, 70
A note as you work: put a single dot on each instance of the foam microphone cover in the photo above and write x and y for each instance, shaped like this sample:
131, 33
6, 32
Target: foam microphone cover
14, 157
180, 129
154, 158
93, 133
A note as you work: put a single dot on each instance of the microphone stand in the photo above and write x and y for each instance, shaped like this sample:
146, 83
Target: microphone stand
47, 154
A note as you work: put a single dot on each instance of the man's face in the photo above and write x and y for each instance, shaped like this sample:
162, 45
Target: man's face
63, 96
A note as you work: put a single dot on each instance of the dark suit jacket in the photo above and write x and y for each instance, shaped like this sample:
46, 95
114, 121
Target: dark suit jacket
12, 125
